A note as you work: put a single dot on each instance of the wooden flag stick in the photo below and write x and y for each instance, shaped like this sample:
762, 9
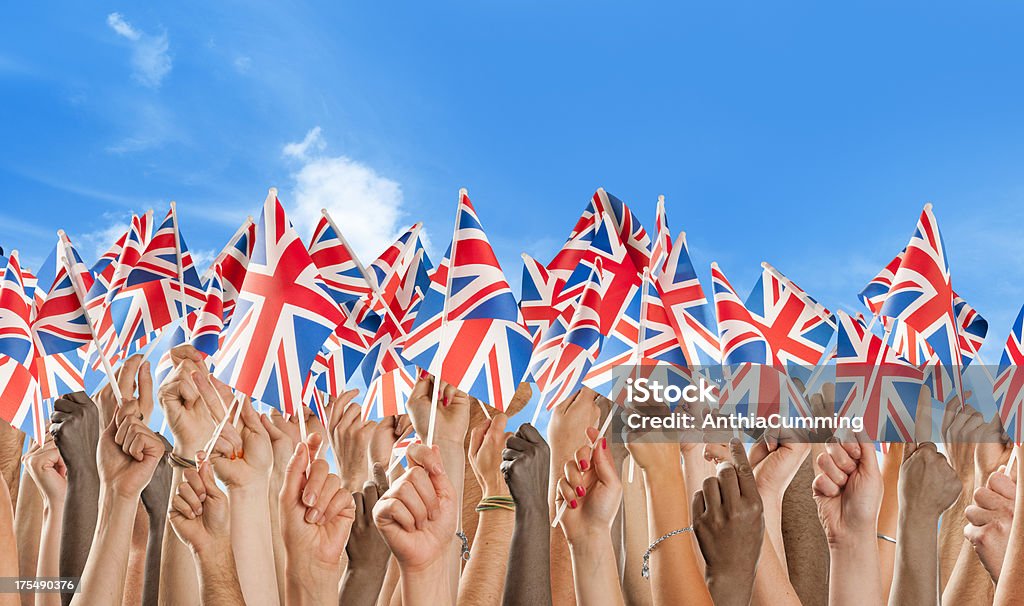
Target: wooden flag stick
179, 292
395, 460
79, 289
236, 402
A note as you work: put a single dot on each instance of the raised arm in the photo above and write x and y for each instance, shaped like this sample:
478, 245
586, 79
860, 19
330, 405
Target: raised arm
368, 554
417, 517
316, 519
483, 579
591, 488
525, 463
928, 486
47, 471
201, 520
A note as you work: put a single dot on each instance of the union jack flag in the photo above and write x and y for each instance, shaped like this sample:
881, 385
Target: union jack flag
567, 350
207, 322
388, 270
796, 327
536, 301
61, 373
971, 329
1009, 384
162, 286
284, 315
874, 382
758, 390
61, 323
231, 262
100, 295
741, 337
388, 393
874, 294
688, 309
343, 274
15, 314
662, 246
17, 391
468, 330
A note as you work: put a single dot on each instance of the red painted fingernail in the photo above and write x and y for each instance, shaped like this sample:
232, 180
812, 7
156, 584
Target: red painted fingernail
604, 443
581, 490
572, 504
584, 464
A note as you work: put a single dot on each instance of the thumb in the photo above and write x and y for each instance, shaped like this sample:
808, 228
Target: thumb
908, 449
206, 475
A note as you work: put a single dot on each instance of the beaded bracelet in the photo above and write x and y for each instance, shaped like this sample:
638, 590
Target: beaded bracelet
645, 571
496, 502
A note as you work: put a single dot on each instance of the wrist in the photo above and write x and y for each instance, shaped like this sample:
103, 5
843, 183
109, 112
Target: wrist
497, 489
185, 449
213, 549
254, 490
589, 540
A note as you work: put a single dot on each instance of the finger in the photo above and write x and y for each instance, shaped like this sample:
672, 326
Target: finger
572, 475
341, 501
567, 493
698, 507
824, 486
476, 438
1003, 485
979, 516
988, 499
868, 455
315, 514
181, 506
195, 480
295, 476
186, 492
318, 472
744, 472
359, 500
145, 382
841, 457
396, 511
126, 376
380, 479
829, 468
420, 481
602, 460
728, 485
530, 434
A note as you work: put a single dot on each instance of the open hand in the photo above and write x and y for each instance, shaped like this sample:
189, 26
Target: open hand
199, 514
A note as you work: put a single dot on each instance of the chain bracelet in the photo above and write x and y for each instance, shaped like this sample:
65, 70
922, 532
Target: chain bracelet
645, 572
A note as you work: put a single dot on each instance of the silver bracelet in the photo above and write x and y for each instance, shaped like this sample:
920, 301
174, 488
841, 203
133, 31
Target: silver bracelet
887, 538
645, 571
465, 545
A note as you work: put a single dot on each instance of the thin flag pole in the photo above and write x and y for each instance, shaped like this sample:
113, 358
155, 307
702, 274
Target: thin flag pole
441, 349
80, 294
180, 290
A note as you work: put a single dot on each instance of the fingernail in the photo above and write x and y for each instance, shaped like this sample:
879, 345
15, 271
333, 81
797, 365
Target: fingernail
584, 464
202, 498
309, 498
572, 504
232, 457
312, 515
191, 515
604, 443
240, 454
581, 491
200, 512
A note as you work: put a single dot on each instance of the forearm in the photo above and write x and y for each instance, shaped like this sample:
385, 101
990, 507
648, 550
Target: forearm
806, 547
252, 544
391, 580
154, 552
453, 456
529, 559
951, 532
218, 578
915, 578
28, 525
771, 582
280, 554
1010, 589
361, 586
49, 551
695, 470
103, 578
8, 544
888, 513
855, 553
675, 577
970, 583
305, 586
562, 592
636, 590
483, 579
427, 587
178, 571
593, 566
80, 512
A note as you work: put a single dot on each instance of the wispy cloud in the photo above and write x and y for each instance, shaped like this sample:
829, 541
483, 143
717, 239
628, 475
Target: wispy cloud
151, 60
242, 63
94, 243
365, 205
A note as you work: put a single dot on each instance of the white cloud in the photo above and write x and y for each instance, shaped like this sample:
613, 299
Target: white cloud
366, 206
242, 64
151, 61
313, 140
91, 245
203, 258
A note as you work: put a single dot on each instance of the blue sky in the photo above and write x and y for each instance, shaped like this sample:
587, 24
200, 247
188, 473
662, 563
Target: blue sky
805, 134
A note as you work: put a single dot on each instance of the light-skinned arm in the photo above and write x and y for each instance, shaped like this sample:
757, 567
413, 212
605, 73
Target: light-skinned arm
1010, 589
8, 544
242, 459
848, 493
483, 579
591, 488
417, 517
49, 478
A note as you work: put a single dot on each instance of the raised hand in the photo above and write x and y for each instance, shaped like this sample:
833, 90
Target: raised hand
452, 420
729, 525
316, 518
990, 516
486, 442
525, 464
848, 491
193, 401
928, 484
525, 467
75, 426
385, 434
46, 467
129, 452
243, 457
199, 514
367, 552
417, 516
127, 380
591, 487
350, 435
